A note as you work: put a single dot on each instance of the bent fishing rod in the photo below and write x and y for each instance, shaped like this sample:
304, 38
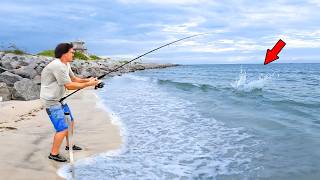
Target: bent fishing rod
100, 85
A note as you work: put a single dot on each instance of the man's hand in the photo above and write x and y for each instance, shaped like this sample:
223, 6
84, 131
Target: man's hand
80, 85
93, 82
100, 85
92, 78
80, 80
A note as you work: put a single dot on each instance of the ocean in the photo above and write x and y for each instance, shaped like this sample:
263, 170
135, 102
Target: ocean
212, 122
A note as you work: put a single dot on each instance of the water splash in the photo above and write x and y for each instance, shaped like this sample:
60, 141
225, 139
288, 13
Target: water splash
242, 84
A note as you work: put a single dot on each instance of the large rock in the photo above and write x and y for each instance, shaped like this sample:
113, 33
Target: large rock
84, 72
2, 69
6, 64
37, 80
14, 64
9, 78
22, 61
138, 67
7, 59
76, 67
5, 94
26, 71
26, 90
13, 61
40, 67
28, 59
14, 68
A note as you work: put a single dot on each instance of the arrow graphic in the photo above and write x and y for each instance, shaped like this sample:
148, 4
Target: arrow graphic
272, 54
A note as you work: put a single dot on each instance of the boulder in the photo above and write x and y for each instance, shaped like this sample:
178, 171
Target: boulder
28, 59
2, 69
6, 64
14, 64
85, 72
37, 80
138, 67
26, 71
26, 89
9, 78
5, 94
41, 64
7, 59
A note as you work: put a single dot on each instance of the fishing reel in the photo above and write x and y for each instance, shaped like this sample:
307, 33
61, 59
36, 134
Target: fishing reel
100, 85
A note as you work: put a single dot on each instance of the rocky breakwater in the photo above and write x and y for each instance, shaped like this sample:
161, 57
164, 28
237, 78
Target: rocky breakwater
20, 74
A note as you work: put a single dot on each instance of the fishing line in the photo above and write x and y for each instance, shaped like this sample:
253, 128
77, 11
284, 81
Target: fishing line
100, 85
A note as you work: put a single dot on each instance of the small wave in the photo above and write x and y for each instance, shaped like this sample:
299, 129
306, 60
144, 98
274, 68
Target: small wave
185, 85
180, 85
64, 171
242, 84
115, 120
137, 78
292, 102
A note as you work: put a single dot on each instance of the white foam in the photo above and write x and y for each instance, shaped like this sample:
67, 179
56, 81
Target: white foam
115, 120
168, 138
64, 171
242, 83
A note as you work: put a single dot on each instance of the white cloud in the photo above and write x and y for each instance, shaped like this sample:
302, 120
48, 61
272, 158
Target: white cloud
301, 43
315, 2
240, 59
178, 2
297, 38
239, 27
238, 44
119, 56
185, 27
29, 10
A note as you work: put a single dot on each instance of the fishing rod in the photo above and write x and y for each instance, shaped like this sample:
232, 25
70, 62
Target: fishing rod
100, 85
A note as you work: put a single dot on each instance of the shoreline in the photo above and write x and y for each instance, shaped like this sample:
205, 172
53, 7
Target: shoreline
26, 136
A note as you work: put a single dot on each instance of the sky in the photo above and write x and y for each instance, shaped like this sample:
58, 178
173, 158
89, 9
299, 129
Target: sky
240, 30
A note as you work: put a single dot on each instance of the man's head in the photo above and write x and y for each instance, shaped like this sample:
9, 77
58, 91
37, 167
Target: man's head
64, 51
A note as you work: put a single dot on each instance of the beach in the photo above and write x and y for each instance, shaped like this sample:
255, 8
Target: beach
26, 135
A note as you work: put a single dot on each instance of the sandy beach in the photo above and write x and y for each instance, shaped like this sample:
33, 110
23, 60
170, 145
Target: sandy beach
26, 135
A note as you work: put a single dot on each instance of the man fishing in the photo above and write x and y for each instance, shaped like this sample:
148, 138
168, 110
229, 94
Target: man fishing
56, 77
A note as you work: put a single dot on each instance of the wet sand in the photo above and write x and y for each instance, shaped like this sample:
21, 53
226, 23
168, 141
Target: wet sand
26, 135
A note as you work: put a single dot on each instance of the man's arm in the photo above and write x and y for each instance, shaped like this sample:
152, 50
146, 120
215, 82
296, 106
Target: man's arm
80, 85
80, 80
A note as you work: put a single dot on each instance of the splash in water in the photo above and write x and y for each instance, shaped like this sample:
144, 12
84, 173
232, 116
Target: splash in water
241, 84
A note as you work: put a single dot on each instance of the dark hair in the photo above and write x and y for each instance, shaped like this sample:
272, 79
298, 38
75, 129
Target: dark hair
61, 49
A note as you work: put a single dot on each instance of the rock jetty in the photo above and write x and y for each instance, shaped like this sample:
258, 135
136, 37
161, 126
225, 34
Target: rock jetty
20, 74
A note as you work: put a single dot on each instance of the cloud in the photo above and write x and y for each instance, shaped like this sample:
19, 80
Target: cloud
298, 38
241, 30
167, 2
314, 2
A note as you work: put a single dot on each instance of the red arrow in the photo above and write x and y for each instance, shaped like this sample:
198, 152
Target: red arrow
272, 54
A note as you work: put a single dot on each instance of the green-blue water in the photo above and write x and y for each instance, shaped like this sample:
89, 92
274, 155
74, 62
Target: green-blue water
214, 122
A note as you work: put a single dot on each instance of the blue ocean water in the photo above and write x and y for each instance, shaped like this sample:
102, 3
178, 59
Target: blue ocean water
213, 122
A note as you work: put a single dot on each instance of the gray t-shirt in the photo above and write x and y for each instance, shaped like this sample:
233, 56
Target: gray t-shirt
53, 78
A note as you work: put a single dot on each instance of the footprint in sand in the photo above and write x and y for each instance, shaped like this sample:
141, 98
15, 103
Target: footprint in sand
29, 115
7, 128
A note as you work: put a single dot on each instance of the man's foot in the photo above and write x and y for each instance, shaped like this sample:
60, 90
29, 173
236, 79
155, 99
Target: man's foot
74, 147
57, 157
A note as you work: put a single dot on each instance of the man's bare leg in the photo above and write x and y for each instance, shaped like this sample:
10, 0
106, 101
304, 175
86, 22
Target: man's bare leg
57, 141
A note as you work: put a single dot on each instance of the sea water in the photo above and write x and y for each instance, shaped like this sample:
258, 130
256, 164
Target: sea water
212, 122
